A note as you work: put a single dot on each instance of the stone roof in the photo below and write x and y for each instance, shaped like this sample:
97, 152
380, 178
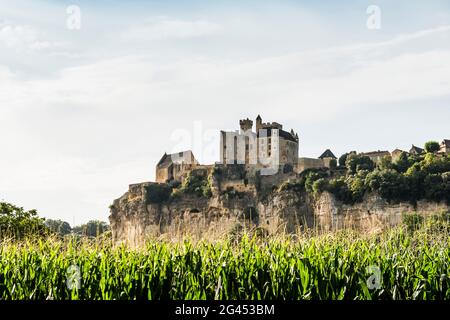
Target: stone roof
178, 158
416, 150
283, 134
327, 154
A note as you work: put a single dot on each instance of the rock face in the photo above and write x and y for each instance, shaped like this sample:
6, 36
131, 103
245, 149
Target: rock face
133, 219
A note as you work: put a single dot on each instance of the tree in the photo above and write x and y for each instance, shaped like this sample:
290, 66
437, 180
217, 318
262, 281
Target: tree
432, 147
333, 164
403, 163
343, 158
356, 162
16, 222
93, 228
58, 226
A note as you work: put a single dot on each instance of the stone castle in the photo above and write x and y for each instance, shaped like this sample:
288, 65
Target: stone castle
268, 151
250, 188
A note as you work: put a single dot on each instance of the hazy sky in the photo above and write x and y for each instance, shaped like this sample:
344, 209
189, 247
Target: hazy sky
85, 112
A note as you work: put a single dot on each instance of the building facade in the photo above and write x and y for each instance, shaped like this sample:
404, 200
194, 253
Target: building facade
175, 166
269, 146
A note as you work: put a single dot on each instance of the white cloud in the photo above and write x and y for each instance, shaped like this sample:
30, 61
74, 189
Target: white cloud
23, 37
76, 139
165, 28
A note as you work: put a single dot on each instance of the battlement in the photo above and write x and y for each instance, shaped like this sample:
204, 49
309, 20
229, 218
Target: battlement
246, 124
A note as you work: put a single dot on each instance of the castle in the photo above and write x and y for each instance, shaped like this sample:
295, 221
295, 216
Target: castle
252, 186
267, 150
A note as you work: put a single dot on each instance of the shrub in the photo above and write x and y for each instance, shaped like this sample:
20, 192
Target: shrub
198, 184
158, 193
356, 162
412, 221
432, 147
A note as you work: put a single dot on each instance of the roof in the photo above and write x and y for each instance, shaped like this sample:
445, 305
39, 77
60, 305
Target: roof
327, 154
416, 150
283, 134
446, 143
179, 157
376, 153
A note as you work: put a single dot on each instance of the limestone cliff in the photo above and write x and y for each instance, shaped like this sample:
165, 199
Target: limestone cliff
133, 219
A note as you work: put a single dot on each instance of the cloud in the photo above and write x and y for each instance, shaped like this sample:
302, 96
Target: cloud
77, 134
23, 37
165, 28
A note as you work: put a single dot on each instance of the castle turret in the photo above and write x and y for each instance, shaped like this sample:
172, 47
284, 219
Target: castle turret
246, 124
258, 123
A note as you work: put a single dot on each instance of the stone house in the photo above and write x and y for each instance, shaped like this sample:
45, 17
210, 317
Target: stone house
396, 154
376, 156
175, 166
445, 147
416, 150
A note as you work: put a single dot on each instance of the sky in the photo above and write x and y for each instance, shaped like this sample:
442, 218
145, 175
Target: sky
92, 93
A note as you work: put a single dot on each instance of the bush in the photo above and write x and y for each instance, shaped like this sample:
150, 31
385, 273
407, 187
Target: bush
157, 193
432, 147
356, 162
197, 184
412, 221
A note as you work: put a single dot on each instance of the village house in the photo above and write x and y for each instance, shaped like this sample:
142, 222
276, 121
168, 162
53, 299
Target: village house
445, 147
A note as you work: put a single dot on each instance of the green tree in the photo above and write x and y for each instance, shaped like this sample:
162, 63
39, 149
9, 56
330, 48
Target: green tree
356, 162
432, 147
92, 228
17, 222
333, 164
58, 226
343, 158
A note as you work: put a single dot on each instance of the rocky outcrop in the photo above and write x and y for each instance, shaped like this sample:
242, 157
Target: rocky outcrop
133, 219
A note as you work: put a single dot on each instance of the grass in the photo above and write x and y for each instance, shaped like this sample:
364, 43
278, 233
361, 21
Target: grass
332, 266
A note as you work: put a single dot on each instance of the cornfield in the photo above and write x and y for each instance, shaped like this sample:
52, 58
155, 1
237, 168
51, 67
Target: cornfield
394, 265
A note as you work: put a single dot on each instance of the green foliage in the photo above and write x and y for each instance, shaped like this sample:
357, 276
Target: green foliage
333, 164
356, 162
414, 266
432, 147
158, 193
17, 223
92, 228
197, 184
310, 176
319, 185
409, 178
339, 188
343, 158
412, 221
59, 227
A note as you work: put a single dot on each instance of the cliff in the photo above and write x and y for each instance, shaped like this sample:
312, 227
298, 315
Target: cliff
227, 213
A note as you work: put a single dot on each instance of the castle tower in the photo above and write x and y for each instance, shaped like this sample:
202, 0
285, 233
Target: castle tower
258, 123
246, 124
